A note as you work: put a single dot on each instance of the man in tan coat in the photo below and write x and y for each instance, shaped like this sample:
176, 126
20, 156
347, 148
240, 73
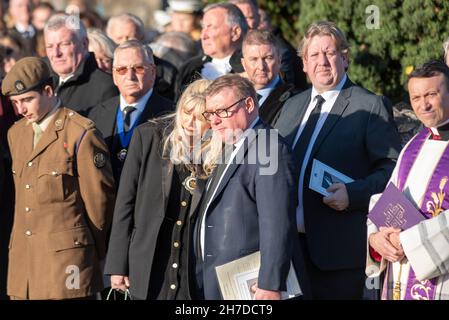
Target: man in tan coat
64, 192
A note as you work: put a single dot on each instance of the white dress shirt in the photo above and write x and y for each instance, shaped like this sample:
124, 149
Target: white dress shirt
330, 97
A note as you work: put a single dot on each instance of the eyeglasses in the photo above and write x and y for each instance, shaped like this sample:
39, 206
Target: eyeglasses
221, 113
122, 70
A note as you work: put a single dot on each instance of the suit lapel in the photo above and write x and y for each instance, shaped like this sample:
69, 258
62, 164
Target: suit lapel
167, 177
197, 195
153, 108
241, 155
106, 120
50, 134
293, 117
337, 110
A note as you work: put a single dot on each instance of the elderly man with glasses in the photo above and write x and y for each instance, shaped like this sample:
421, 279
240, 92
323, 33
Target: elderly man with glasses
134, 74
249, 203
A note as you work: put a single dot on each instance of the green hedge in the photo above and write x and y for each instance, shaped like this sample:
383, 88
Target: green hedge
410, 32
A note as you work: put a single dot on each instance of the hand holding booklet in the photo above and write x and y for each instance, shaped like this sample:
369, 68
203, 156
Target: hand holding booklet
323, 176
237, 277
393, 209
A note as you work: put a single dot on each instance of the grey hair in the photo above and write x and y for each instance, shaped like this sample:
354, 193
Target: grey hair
99, 39
127, 17
71, 22
146, 51
234, 16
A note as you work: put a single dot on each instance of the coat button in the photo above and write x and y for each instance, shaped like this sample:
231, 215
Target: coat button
27, 209
55, 173
77, 243
176, 244
27, 186
28, 233
71, 114
179, 222
183, 203
174, 265
30, 164
173, 286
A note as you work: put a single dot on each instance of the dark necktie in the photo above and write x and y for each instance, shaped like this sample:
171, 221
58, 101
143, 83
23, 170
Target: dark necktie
259, 96
127, 116
304, 139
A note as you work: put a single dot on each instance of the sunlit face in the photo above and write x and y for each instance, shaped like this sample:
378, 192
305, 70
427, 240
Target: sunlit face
133, 85
261, 63
217, 36
40, 17
229, 129
429, 98
33, 105
324, 64
182, 22
192, 124
123, 31
64, 50
20, 11
252, 18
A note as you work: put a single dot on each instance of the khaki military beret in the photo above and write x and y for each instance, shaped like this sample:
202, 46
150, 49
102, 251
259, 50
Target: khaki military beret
26, 75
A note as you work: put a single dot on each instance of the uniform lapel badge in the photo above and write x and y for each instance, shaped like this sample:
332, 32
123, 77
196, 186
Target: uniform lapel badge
99, 159
19, 85
284, 96
58, 124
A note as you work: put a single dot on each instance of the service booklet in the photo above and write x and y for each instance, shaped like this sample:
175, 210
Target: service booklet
237, 277
323, 176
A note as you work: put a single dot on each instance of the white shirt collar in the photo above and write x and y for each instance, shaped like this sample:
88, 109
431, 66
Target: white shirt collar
61, 81
216, 68
332, 93
21, 28
139, 105
265, 92
435, 130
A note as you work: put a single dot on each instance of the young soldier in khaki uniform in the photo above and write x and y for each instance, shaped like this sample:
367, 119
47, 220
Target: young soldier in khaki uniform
64, 192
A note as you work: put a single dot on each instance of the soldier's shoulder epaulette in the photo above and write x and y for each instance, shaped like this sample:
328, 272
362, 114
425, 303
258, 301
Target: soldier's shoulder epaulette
80, 120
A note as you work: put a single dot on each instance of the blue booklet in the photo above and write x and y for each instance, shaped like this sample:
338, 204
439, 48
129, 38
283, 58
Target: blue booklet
393, 209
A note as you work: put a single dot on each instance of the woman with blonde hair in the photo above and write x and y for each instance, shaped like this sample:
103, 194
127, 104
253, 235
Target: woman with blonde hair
168, 162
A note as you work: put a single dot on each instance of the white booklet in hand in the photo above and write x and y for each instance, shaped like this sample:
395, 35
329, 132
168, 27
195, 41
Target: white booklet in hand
237, 277
323, 176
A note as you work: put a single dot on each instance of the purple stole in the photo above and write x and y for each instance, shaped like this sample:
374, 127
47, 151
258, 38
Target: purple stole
435, 201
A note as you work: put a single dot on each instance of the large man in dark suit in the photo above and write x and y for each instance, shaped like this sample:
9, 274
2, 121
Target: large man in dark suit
351, 130
239, 215
79, 83
261, 62
134, 74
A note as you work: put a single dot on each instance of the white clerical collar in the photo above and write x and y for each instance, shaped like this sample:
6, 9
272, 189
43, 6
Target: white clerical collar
332, 93
435, 130
216, 68
139, 104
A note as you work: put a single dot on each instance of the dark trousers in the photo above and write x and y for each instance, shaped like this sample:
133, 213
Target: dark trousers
347, 284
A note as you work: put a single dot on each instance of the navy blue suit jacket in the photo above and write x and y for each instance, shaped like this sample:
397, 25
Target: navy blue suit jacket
254, 211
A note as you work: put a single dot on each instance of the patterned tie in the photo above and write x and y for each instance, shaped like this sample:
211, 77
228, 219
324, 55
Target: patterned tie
127, 116
37, 133
304, 139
